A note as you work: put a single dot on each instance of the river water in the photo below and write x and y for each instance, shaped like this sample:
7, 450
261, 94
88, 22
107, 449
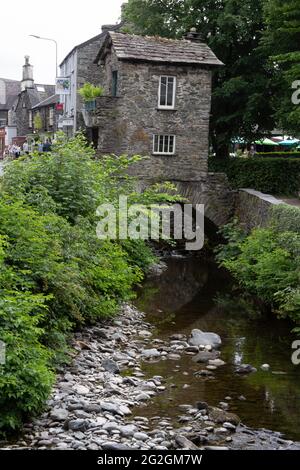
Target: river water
184, 298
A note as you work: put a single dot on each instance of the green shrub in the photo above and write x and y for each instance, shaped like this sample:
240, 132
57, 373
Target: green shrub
269, 175
285, 218
267, 264
26, 376
292, 154
55, 274
65, 180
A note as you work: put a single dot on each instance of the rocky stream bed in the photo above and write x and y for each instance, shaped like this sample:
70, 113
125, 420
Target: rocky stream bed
98, 400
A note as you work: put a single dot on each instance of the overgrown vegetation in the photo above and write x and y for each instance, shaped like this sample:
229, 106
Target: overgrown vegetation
266, 262
279, 176
55, 274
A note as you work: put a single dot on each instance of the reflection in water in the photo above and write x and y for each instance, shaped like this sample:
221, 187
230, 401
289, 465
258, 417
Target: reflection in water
238, 351
183, 299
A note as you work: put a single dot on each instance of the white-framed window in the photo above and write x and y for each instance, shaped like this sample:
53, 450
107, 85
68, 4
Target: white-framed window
30, 119
164, 144
167, 92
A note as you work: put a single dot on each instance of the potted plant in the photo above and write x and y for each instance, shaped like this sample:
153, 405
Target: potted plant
89, 93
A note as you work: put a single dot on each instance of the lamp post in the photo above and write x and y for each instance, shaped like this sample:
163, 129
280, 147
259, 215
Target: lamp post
55, 42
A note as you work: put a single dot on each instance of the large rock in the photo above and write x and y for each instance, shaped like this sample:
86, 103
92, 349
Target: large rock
199, 337
245, 369
112, 408
110, 426
221, 416
81, 389
111, 366
59, 414
128, 430
216, 362
92, 408
156, 270
150, 353
111, 445
185, 443
202, 405
78, 424
141, 436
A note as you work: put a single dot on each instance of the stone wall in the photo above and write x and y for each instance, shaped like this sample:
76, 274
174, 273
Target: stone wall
216, 195
213, 191
87, 71
253, 208
137, 118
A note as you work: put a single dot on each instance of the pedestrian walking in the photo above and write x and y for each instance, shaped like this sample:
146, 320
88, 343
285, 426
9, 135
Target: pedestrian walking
26, 147
47, 146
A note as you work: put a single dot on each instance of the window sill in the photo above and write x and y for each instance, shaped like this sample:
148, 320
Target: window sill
163, 154
167, 109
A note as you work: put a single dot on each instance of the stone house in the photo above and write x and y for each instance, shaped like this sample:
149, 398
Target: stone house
79, 67
49, 110
156, 103
30, 95
9, 90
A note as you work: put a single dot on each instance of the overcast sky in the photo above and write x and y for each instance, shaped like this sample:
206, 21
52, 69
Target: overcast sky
70, 22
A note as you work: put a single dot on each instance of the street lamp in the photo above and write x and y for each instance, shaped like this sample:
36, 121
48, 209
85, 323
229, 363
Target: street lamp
52, 40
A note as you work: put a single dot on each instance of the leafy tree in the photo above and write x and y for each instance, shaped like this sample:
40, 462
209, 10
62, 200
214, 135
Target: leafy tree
281, 41
243, 89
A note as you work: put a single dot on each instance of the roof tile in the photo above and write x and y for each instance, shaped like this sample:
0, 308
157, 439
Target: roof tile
157, 49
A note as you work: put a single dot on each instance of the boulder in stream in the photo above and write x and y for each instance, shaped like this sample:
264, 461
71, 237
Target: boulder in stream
245, 369
199, 338
221, 416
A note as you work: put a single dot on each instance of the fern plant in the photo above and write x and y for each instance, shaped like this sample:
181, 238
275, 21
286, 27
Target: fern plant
89, 92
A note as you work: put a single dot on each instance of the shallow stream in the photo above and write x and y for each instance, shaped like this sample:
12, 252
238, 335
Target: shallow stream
183, 298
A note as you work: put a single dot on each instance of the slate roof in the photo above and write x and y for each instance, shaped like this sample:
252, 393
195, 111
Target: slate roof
157, 49
35, 96
53, 99
12, 89
99, 37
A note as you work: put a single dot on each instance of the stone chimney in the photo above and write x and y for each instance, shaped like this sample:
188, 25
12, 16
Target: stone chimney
108, 27
194, 36
27, 78
116, 27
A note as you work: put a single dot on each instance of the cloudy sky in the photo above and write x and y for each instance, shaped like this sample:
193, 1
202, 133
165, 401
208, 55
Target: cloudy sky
70, 22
